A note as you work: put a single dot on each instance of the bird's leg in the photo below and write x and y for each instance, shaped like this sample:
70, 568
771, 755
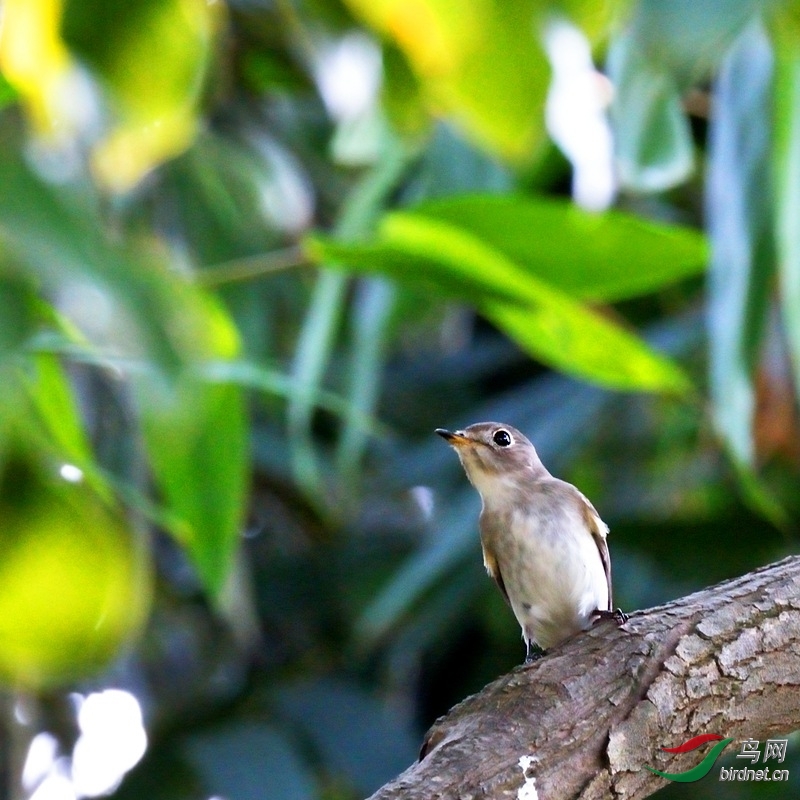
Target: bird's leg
618, 615
532, 651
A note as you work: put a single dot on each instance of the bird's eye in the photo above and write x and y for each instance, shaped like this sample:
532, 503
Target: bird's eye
502, 438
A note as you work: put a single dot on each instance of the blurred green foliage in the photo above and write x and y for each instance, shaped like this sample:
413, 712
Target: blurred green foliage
252, 253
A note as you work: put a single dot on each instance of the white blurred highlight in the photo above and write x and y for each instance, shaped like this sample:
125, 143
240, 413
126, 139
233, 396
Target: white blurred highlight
56, 786
41, 758
423, 499
90, 307
287, 199
575, 115
348, 75
71, 473
112, 741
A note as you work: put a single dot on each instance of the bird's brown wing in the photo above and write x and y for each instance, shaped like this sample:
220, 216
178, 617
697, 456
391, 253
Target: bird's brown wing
599, 531
488, 537
493, 568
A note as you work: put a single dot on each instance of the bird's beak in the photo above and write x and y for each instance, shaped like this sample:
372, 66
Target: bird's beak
456, 439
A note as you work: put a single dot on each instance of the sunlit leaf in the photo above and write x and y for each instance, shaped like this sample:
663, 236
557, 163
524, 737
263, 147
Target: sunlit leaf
607, 257
34, 60
132, 306
424, 270
151, 56
482, 63
74, 581
401, 93
600, 257
739, 213
51, 397
588, 346
542, 319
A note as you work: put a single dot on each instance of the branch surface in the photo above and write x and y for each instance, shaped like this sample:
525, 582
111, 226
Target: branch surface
585, 720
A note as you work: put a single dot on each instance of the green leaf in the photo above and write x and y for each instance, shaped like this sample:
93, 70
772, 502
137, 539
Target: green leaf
196, 438
8, 94
125, 299
425, 271
51, 396
574, 340
263, 379
690, 39
317, 336
59, 240
17, 312
652, 138
599, 257
374, 304
665, 49
739, 214
313, 351
545, 321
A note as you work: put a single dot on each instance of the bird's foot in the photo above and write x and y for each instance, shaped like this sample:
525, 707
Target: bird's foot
533, 652
618, 615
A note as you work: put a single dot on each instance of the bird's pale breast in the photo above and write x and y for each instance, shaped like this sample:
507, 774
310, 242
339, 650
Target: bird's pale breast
549, 563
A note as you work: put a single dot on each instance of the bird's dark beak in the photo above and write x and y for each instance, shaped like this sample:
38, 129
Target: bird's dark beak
450, 437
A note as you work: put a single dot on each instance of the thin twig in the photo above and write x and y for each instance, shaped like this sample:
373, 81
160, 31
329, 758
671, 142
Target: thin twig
251, 267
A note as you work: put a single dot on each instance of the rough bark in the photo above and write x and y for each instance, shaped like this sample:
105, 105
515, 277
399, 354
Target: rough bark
596, 710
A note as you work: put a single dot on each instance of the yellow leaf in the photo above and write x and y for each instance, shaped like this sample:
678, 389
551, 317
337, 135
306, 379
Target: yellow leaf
34, 60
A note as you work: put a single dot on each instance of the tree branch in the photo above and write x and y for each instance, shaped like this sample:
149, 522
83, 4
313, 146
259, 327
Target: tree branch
597, 709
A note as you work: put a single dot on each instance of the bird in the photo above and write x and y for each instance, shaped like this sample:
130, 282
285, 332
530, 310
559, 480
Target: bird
543, 542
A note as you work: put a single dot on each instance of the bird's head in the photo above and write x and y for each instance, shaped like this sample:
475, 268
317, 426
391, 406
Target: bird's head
495, 456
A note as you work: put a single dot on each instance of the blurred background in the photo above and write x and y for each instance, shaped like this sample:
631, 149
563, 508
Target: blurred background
253, 252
